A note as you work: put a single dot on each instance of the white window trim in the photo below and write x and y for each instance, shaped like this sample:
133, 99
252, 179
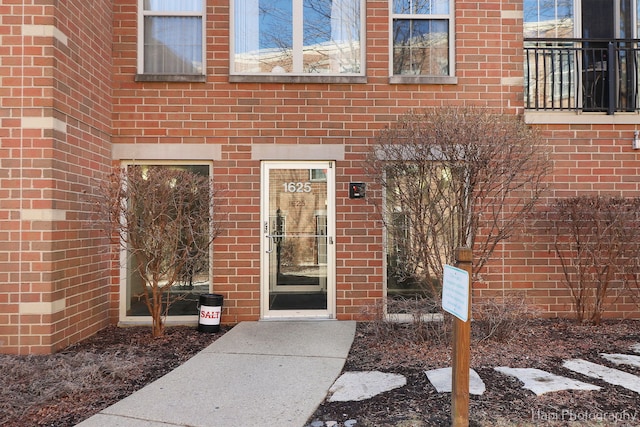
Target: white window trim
123, 318
140, 44
297, 9
427, 78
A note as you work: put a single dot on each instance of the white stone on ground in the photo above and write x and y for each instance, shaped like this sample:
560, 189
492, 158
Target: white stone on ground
356, 386
610, 375
540, 382
622, 359
636, 348
441, 379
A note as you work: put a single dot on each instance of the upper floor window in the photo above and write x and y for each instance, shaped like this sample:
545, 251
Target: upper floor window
170, 39
545, 19
582, 55
297, 37
194, 277
422, 43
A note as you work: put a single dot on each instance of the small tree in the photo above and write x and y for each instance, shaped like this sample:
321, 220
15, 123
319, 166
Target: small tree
454, 177
163, 218
596, 240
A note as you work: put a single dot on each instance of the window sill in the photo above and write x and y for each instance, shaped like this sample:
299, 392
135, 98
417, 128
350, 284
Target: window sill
283, 78
423, 80
197, 78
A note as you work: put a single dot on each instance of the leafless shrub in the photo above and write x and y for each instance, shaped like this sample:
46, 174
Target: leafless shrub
450, 178
596, 241
424, 317
409, 319
500, 318
375, 321
163, 218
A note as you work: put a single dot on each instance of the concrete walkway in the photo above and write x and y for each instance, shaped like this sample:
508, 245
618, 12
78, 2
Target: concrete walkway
257, 374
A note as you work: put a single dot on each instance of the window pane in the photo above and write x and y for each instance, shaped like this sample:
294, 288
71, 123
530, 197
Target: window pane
637, 23
318, 175
426, 7
543, 18
173, 45
193, 282
173, 6
421, 47
325, 40
263, 36
410, 203
331, 36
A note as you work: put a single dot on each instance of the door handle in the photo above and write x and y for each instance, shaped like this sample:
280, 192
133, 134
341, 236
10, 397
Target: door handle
270, 244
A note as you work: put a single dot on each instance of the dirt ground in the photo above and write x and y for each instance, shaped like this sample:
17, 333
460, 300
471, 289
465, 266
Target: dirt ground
65, 388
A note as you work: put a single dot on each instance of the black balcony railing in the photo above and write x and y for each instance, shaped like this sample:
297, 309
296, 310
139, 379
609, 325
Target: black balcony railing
582, 74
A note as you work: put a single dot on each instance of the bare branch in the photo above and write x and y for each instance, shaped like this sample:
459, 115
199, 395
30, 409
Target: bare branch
163, 218
596, 241
460, 177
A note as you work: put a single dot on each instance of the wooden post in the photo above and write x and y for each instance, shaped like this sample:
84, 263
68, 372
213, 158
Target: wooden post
461, 353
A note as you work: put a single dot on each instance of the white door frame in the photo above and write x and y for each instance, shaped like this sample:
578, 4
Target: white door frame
266, 243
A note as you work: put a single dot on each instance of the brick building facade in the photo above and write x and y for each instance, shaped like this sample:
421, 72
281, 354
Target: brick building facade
55, 108
78, 98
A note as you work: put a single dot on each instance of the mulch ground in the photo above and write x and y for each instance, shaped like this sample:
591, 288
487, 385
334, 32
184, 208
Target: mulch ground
67, 387
541, 344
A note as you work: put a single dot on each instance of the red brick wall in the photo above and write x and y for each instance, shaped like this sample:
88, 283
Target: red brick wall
64, 94
237, 115
55, 109
587, 159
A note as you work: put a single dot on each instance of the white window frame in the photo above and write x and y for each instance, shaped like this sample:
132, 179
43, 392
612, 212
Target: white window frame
125, 319
387, 243
427, 78
142, 13
297, 48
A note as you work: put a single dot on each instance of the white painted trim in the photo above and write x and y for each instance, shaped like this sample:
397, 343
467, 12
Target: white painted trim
297, 34
142, 13
330, 312
123, 318
450, 18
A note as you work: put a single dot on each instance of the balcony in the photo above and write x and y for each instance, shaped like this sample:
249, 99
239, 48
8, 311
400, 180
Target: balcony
582, 75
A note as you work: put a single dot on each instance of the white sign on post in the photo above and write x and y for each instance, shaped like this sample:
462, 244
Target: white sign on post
455, 292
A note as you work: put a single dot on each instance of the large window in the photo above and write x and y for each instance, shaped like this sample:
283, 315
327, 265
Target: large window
422, 44
171, 37
549, 19
581, 54
420, 233
193, 280
297, 37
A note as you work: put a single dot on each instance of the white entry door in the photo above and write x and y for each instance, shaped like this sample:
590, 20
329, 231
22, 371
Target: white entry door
298, 229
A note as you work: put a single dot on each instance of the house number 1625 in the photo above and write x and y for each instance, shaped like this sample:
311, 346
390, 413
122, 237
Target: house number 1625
297, 187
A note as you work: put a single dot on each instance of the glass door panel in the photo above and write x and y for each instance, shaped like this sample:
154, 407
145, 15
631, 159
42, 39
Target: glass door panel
297, 238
